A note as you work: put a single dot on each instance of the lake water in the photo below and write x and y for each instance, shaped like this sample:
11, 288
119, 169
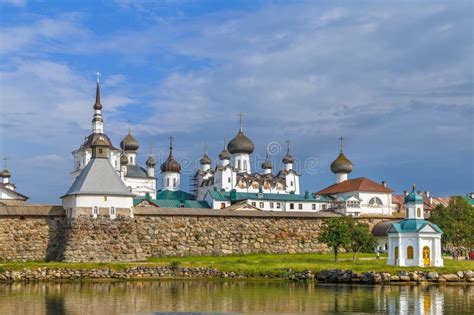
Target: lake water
218, 297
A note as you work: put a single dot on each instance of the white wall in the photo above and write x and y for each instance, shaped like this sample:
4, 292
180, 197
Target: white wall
170, 181
90, 201
141, 186
418, 241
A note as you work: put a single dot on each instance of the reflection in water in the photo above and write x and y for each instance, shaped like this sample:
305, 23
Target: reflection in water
217, 297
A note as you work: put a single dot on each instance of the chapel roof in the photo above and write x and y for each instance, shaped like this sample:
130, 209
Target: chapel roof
355, 184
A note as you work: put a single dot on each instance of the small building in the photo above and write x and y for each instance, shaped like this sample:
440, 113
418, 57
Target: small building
219, 199
414, 241
379, 231
98, 190
8, 193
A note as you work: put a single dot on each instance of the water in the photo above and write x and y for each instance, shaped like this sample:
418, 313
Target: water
217, 297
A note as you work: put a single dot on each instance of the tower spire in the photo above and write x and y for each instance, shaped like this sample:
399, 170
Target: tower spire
240, 121
97, 121
171, 144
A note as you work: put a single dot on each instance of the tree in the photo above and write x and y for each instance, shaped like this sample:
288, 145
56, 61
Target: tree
361, 239
457, 222
335, 232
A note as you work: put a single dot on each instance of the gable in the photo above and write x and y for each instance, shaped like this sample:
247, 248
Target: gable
7, 193
428, 229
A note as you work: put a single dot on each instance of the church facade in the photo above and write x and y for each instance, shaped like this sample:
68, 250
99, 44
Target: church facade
139, 180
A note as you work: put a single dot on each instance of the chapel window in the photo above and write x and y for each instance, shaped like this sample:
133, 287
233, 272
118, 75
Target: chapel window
410, 252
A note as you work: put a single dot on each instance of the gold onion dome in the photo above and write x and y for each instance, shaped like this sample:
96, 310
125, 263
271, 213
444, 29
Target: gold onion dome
288, 158
341, 164
150, 162
129, 143
5, 173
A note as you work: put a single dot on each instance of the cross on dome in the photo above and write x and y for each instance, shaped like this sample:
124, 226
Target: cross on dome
98, 74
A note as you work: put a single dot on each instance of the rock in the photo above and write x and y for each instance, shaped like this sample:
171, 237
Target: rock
394, 278
460, 274
468, 274
432, 275
413, 276
450, 277
386, 276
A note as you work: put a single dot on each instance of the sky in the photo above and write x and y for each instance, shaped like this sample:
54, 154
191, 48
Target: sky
394, 78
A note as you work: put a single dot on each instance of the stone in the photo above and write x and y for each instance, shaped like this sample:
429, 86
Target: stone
450, 277
432, 275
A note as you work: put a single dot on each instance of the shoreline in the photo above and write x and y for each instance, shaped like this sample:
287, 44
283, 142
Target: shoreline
154, 273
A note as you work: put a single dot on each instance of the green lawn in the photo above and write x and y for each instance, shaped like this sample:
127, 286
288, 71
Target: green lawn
258, 264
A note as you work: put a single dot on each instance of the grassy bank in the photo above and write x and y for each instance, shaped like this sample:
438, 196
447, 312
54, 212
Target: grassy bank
256, 264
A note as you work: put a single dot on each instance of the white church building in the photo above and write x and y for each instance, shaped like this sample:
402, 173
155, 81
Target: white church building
139, 180
414, 241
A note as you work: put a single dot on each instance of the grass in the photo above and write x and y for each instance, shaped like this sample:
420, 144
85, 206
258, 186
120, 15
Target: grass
257, 265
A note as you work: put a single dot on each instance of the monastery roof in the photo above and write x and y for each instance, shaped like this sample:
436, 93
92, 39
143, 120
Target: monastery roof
22, 197
174, 195
356, 184
98, 178
412, 226
381, 228
172, 203
469, 199
136, 171
226, 196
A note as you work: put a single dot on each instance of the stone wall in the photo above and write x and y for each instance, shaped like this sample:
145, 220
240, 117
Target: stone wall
165, 232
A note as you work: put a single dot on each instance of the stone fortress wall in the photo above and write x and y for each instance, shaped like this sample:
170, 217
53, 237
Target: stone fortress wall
43, 233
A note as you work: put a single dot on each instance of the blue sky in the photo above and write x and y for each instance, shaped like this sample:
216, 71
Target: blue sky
395, 78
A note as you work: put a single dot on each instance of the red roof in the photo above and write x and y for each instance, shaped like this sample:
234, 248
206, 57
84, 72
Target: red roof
356, 184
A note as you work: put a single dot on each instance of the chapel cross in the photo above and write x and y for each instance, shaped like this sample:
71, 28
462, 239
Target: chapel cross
240, 120
98, 74
5, 163
171, 142
342, 141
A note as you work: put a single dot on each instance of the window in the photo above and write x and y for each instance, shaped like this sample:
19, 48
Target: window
95, 211
174, 182
260, 205
112, 212
238, 164
131, 160
291, 183
292, 206
418, 212
245, 165
271, 205
222, 205
300, 206
254, 203
278, 205
396, 252
313, 206
167, 182
228, 179
410, 252
375, 202
386, 246
105, 198
100, 151
324, 207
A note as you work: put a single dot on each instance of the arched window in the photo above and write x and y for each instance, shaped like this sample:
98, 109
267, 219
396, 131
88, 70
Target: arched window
174, 182
245, 165
375, 202
238, 164
410, 252
131, 160
396, 252
418, 212
167, 182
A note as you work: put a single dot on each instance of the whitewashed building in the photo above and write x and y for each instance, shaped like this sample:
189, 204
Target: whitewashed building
358, 196
233, 173
414, 241
8, 193
98, 190
139, 180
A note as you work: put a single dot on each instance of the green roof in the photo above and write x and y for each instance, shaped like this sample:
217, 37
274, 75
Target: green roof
174, 199
413, 196
174, 195
226, 196
469, 200
411, 226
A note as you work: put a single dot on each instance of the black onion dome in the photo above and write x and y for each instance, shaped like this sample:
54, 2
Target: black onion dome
341, 164
150, 162
123, 159
224, 155
129, 143
287, 159
5, 173
240, 144
170, 165
267, 164
100, 142
205, 159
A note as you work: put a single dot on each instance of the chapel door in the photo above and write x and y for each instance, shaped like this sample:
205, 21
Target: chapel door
426, 256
